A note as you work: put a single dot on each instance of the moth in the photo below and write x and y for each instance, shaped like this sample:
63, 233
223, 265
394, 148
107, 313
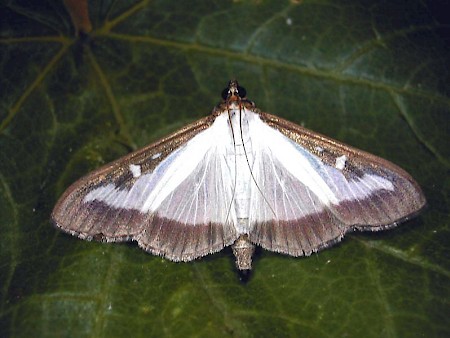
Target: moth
238, 177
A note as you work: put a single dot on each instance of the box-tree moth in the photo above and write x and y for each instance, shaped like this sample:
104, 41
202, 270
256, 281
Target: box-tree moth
238, 177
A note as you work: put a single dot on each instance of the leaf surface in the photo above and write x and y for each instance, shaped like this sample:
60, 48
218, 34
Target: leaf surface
374, 75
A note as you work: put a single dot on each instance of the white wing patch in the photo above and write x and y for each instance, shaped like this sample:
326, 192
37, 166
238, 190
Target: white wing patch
135, 170
340, 162
318, 149
184, 184
117, 197
155, 156
271, 147
211, 141
357, 189
295, 183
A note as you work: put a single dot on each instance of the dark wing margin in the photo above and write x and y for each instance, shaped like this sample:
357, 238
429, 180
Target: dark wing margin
95, 219
373, 194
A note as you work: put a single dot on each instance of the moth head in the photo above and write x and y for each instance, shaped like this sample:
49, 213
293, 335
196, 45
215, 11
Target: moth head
234, 92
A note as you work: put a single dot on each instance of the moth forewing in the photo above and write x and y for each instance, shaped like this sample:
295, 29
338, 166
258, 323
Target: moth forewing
95, 220
238, 177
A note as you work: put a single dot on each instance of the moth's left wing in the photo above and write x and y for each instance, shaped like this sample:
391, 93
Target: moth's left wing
311, 189
169, 196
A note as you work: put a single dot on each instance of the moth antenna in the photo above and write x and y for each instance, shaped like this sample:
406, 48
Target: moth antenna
250, 168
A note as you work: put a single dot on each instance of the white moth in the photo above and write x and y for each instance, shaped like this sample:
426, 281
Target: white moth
238, 177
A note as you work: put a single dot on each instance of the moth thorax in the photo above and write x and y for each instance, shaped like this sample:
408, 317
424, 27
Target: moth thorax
239, 126
243, 250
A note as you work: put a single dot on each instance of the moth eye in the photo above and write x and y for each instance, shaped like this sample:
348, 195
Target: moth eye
225, 93
242, 92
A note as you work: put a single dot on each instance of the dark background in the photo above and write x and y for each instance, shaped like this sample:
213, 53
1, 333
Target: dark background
78, 91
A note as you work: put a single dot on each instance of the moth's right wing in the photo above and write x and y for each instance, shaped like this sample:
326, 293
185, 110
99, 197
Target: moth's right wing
312, 190
170, 196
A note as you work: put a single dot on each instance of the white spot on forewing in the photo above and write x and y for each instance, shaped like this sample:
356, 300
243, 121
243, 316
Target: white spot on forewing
135, 170
340, 162
155, 156
289, 21
318, 149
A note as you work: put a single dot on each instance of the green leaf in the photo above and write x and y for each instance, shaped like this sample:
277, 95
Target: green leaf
372, 74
